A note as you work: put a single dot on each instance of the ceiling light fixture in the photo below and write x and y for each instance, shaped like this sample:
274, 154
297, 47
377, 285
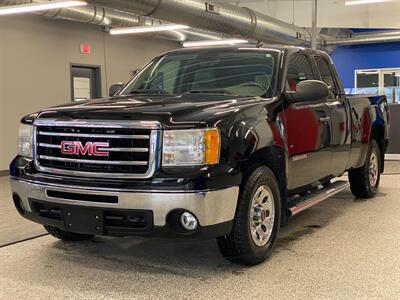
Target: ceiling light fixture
144, 29
355, 2
214, 43
32, 7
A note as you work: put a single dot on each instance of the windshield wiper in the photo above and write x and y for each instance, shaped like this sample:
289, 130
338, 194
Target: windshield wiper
147, 91
210, 91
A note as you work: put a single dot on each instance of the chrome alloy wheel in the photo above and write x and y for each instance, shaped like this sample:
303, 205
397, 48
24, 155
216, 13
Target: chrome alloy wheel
373, 169
262, 215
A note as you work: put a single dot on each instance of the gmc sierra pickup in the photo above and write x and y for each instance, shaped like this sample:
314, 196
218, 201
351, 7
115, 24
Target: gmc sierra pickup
209, 142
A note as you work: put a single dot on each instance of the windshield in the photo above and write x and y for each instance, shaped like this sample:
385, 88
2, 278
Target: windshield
238, 72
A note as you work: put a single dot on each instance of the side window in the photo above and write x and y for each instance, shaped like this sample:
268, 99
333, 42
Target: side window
325, 71
299, 69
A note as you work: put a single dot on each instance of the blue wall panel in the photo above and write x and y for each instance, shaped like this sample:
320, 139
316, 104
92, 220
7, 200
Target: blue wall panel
350, 58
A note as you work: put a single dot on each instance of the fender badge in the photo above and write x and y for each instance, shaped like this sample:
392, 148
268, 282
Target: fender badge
299, 157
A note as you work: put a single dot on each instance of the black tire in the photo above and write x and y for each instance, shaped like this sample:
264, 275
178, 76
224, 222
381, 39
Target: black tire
66, 235
360, 182
239, 245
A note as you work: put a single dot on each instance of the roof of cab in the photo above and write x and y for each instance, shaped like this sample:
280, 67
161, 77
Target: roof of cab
240, 47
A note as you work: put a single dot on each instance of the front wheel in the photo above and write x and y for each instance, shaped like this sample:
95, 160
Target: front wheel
364, 181
257, 220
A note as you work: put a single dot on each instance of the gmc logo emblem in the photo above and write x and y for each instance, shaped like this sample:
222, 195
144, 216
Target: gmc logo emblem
77, 148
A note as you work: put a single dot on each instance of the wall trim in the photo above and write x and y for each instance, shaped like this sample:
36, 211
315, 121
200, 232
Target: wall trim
4, 173
392, 156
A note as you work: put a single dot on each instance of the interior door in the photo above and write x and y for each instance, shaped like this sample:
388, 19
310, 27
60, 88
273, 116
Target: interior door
85, 83
308, 129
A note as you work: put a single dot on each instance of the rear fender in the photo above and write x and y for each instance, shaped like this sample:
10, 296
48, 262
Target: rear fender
366, 116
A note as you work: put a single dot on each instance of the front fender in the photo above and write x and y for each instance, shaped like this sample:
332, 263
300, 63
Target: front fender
242, 138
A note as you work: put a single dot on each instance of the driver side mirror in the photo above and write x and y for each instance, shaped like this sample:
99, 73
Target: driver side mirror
309, 90
115, 88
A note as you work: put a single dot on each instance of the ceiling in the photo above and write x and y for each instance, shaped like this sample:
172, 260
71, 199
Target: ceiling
331, 13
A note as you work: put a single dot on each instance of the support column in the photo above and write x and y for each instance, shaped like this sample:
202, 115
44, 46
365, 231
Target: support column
314, 32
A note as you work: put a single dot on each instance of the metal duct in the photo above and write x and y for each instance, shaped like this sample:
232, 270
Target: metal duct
87, 14
381, 37
216, 16
96, 15
376, 32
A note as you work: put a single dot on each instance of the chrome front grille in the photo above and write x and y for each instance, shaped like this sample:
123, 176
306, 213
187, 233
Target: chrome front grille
129, 149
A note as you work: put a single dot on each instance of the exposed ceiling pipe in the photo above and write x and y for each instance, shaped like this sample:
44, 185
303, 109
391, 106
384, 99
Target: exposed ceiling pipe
88, 14
216, 16
380, 32
381, 37
96, 15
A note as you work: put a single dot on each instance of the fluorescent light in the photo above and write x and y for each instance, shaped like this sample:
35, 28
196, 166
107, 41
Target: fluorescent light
19, 9
142, 29
355, 2
214, 43
203, 35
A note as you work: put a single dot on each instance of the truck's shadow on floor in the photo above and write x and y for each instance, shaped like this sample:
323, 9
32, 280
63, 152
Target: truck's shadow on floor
198, 258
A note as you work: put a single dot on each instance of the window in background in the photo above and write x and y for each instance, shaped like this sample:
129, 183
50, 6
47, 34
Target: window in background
82, 88
379, 81
391, 85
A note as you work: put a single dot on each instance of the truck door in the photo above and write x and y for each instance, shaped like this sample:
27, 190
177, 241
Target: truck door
307, 126
340, 143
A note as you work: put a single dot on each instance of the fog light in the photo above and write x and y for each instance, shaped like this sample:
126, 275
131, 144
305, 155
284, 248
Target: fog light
189, 221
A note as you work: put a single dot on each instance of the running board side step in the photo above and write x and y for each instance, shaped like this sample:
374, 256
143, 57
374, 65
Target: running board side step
317, 197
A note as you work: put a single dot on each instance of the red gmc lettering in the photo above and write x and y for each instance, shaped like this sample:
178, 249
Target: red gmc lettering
77, 148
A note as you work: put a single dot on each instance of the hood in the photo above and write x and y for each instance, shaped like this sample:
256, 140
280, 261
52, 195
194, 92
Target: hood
186, 111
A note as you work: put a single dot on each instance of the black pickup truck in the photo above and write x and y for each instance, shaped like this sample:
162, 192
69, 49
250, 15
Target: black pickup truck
209, 142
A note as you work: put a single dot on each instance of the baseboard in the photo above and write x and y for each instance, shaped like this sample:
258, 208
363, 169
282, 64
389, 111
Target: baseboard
4, 173
392, 156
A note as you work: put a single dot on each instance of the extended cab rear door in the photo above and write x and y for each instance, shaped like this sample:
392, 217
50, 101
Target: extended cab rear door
307, 125
340, 142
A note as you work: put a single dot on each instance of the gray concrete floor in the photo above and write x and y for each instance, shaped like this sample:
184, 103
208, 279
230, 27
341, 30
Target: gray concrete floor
341, 249
12, 226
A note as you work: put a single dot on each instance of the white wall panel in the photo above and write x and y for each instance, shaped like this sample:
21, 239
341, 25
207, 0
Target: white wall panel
35, 59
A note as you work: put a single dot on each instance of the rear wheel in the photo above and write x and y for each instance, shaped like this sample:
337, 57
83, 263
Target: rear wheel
257, 220
364, 181
66, 235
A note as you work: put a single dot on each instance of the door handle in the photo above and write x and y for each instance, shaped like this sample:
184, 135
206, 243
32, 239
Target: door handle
325, 119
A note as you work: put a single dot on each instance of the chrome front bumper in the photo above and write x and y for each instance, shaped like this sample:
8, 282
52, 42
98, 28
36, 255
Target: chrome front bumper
210, 207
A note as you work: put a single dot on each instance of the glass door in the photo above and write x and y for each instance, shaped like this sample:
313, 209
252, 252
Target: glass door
391, 85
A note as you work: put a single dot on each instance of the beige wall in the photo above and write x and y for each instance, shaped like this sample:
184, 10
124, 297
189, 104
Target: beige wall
35, 58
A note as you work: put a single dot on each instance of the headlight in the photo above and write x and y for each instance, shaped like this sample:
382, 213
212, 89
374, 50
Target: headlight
191, 147
25, 141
